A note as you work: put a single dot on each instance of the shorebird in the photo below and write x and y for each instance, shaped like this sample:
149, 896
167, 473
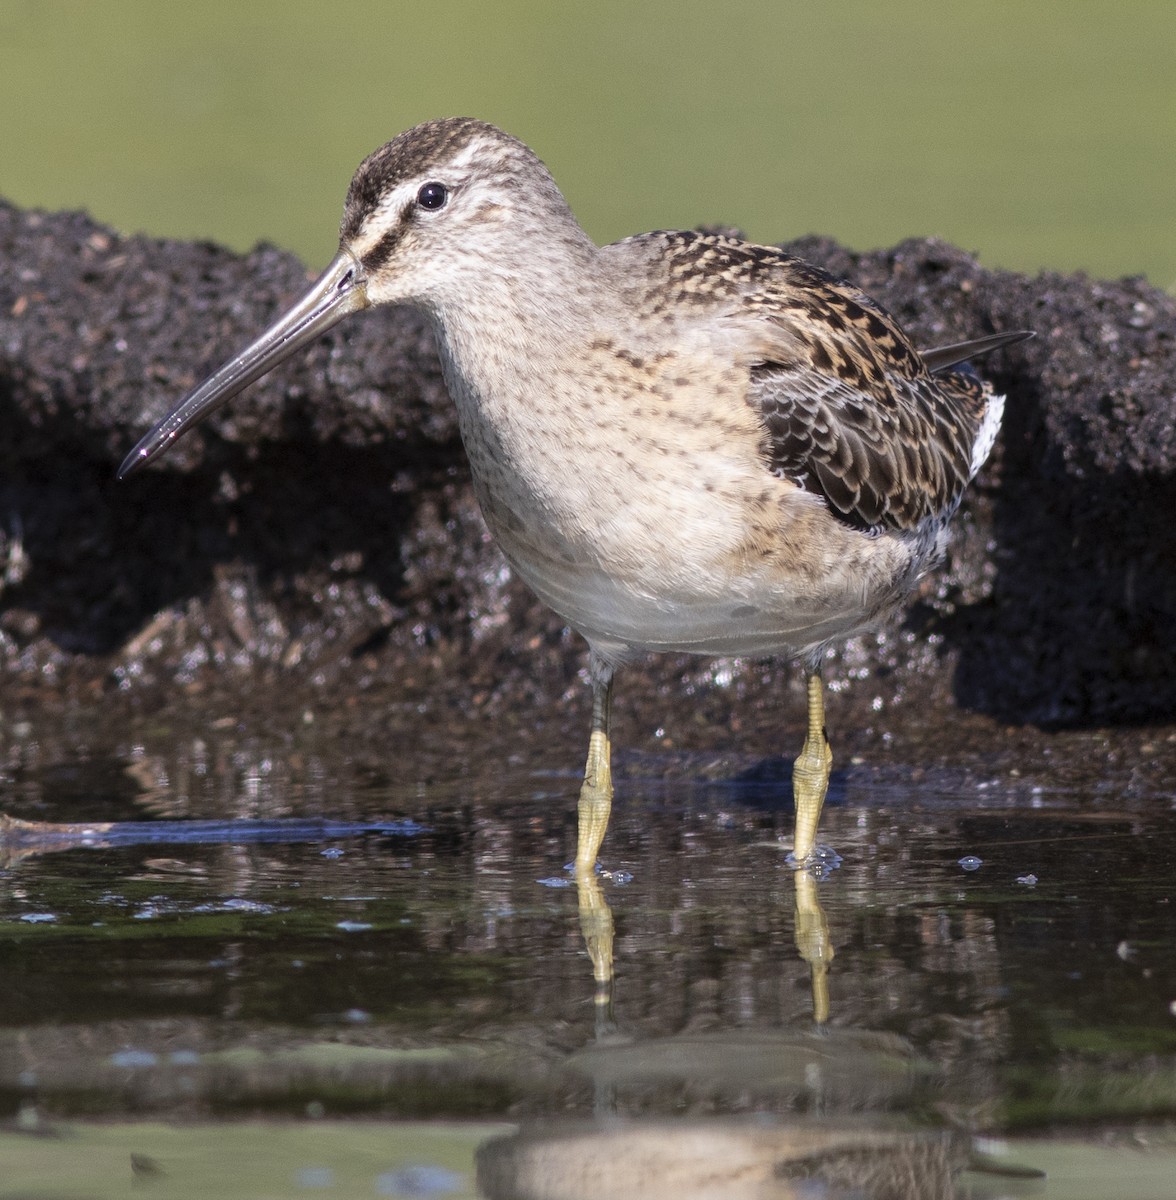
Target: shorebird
681, 441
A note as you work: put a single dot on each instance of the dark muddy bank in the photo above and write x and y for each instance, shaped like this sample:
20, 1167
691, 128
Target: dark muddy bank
319, 540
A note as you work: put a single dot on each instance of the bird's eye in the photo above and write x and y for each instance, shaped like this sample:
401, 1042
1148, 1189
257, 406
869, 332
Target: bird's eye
432, 196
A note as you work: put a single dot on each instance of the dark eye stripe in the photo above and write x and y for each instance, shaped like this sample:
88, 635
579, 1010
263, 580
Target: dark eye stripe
383, 250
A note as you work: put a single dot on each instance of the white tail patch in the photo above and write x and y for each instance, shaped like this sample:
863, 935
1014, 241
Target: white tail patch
986, 434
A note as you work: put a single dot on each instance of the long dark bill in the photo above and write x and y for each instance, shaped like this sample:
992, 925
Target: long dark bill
341, 289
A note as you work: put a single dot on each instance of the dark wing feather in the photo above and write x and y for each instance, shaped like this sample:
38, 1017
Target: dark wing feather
879, 465
851, 411
943, 357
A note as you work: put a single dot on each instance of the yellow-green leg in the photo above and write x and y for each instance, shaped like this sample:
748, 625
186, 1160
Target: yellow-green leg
810, 774
597, 791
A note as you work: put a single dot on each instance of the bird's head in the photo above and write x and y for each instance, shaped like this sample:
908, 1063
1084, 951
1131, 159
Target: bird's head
443, 211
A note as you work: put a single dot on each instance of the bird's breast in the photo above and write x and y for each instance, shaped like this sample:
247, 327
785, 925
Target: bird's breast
631, 493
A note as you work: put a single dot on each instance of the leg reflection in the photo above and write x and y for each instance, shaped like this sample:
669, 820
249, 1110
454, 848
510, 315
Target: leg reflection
596, 924
812, 940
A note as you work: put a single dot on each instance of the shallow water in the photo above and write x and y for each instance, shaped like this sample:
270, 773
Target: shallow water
988, 959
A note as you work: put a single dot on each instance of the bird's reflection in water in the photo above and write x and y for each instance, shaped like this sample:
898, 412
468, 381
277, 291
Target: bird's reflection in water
810, 1137
722, 1159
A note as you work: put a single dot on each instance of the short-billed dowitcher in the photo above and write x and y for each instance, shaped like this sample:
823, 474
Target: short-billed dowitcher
681, 442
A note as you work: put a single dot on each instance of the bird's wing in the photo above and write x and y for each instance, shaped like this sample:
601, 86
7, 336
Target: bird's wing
851, 410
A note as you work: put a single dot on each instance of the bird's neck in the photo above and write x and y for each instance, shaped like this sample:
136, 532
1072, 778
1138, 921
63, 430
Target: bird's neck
510, 352
511, 326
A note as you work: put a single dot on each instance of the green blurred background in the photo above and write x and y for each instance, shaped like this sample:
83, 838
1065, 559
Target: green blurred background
1037, 135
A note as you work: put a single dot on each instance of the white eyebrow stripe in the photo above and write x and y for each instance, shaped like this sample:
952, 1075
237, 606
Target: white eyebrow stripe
461, 161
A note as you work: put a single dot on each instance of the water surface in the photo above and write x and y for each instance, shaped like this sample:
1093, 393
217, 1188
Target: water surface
990, 959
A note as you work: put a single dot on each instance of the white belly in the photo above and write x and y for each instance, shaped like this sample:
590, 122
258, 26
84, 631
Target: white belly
677, 600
